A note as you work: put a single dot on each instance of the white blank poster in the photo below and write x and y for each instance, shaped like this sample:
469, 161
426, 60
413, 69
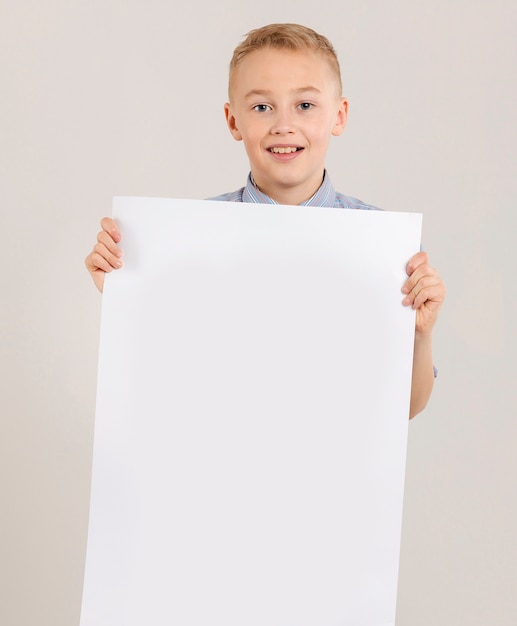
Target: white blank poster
252, 411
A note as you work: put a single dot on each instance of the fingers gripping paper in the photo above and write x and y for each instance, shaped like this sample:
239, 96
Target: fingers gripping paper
252, 410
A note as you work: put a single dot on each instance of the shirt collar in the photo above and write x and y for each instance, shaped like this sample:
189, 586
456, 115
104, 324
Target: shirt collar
324, 196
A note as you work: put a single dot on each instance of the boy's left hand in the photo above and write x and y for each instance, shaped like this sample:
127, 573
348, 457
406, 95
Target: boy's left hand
425, 292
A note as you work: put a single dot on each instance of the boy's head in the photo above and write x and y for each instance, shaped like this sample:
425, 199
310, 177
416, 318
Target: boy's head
285, 104
293, 37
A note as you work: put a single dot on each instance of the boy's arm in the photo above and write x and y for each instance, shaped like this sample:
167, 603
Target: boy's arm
106, 255
425, 292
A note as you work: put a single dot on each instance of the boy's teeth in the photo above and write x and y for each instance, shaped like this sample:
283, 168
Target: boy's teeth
281, 150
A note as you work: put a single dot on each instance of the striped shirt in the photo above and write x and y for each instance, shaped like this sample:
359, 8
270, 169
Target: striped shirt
325, 196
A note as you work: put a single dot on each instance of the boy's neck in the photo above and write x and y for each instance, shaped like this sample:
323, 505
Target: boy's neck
290, 195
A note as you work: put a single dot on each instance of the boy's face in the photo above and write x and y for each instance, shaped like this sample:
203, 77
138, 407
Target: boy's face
285, 106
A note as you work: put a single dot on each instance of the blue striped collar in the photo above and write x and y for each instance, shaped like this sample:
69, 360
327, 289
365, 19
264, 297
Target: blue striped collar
324, 196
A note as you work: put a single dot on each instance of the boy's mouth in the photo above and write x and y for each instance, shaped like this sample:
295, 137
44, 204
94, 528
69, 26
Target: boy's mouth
284, 149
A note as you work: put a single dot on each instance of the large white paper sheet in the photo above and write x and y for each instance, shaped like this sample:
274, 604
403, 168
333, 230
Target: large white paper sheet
252, 410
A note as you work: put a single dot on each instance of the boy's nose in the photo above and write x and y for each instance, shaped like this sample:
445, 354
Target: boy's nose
283, 124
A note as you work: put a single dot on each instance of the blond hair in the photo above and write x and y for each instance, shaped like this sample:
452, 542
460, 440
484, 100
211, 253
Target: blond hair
294, 37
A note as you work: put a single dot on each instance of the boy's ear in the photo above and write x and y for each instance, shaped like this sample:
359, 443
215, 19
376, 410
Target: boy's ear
232, 122
341, 118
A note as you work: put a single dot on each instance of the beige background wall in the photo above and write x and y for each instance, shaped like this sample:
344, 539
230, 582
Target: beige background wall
125, 97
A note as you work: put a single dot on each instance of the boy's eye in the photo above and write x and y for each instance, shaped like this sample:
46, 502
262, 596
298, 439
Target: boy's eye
305, 106
261, 108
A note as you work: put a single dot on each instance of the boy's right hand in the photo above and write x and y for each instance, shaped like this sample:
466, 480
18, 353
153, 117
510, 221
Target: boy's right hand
106, 255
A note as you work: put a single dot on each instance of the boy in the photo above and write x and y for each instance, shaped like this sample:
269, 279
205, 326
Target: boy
284, 104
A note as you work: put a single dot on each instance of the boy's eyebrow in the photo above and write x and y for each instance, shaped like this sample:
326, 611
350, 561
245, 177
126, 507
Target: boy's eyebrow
268, 92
